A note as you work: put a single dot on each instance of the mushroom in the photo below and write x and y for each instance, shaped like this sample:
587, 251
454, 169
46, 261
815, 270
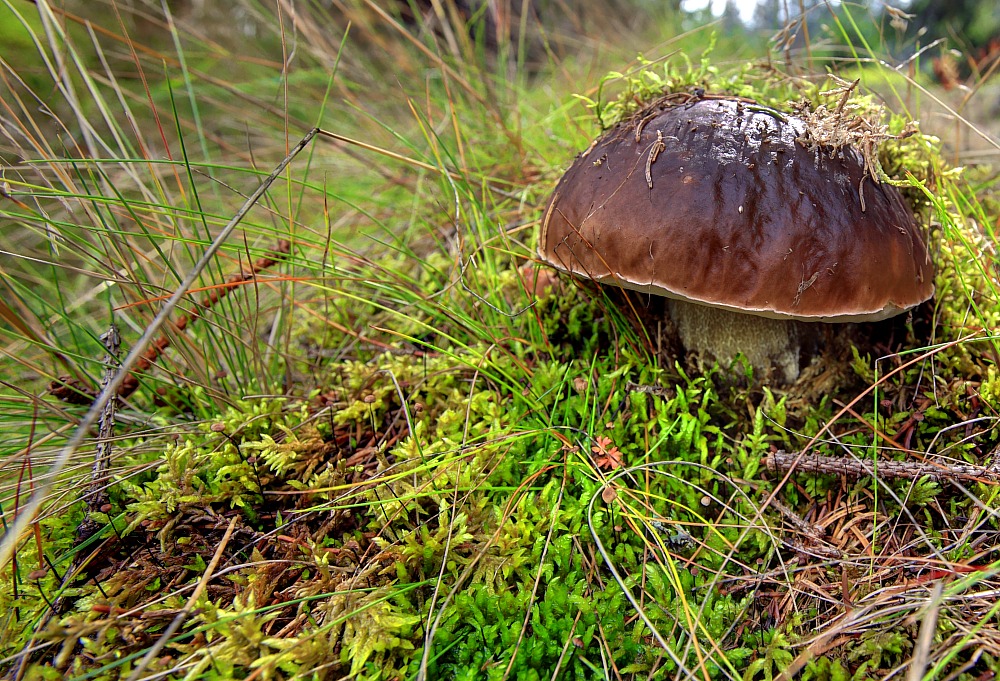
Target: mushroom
719, 205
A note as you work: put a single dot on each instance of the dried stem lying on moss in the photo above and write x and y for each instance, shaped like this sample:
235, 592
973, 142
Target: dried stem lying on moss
781, 461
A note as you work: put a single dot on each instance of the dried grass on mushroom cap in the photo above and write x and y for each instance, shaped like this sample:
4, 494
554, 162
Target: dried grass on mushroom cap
854, 123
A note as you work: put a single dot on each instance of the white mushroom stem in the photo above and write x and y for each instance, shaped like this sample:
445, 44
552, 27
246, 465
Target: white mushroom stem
721, 335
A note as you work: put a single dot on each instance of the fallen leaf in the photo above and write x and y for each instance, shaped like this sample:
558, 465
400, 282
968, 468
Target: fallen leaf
608, 457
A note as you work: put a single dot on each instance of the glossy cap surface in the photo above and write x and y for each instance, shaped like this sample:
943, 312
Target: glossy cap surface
714, 201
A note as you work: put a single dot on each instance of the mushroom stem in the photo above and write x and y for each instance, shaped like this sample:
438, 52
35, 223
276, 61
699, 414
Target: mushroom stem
721, 335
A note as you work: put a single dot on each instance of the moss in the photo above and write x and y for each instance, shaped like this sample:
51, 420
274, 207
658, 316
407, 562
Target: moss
440, 465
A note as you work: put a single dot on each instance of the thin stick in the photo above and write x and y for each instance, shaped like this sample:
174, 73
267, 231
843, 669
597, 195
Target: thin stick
28, 511
659, 391
96, 495
781, 461
654, 151
857, 398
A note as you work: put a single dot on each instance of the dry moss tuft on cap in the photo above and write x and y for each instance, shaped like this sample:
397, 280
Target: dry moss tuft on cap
718, 204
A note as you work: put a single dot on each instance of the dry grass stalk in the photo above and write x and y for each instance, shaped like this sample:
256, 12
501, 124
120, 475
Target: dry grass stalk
849, 124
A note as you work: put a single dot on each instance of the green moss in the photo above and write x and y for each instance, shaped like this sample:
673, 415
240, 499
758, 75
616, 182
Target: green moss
447, 460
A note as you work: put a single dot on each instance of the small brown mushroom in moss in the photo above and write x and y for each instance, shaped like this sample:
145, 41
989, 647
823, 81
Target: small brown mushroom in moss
717, 205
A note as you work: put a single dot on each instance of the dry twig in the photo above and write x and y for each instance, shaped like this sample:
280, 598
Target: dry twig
15, 530
659, 391
781, 461
97, 497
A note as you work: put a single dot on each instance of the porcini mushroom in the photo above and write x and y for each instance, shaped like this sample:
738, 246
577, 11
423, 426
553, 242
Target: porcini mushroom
719, 205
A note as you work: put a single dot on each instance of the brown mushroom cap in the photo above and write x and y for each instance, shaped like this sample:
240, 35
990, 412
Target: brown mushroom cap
714, 201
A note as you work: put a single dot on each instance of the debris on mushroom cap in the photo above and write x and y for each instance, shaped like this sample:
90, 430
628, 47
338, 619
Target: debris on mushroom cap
714, 201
